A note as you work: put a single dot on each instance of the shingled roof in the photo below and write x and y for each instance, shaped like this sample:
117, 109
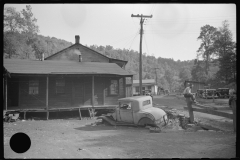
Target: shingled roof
25, 66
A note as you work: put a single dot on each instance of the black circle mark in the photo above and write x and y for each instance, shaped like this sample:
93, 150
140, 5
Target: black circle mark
20, 142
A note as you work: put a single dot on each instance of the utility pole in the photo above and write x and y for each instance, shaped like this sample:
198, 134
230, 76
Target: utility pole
156, 78
140, 57
156, 74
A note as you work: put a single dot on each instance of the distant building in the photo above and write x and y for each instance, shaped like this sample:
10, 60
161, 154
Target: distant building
196, 85
147, 84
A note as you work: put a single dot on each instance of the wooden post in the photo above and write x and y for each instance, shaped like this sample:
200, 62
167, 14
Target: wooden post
104, 93
47, 97
24, 115
233, 104
132, 86
190, 110
124, 86
93, 98
80, 116
72, 95
92, 91
5, 95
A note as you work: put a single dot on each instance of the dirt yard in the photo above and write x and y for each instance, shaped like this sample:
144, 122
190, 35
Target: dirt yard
73, 138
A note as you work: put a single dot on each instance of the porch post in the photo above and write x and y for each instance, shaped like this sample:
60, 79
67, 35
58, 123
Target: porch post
47, 97
5, 94
93, 91
132, 86
124, 86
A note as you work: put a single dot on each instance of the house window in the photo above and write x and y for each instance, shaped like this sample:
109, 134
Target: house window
149, 87
33, 87
114, 87
60, 86
137, 89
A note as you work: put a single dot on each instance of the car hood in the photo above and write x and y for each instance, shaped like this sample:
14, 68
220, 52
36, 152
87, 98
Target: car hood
156, 112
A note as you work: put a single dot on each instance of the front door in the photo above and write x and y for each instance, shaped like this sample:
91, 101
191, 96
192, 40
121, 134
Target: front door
126, 112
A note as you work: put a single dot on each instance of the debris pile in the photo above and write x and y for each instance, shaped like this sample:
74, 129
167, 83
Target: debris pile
10, 116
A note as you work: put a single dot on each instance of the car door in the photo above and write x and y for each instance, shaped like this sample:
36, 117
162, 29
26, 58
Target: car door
126, 112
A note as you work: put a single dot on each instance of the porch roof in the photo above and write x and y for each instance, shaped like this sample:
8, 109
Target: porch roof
26, 66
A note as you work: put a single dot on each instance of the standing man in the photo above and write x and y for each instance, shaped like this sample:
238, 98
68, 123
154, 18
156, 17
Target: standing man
188, 94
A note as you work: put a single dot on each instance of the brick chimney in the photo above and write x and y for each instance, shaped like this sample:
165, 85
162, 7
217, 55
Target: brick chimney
77, 38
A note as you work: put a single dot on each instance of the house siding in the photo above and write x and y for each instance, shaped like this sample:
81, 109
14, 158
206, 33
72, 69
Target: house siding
77, 92
70, 53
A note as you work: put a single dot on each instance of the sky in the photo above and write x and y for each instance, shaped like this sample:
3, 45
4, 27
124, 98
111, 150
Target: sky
172, 31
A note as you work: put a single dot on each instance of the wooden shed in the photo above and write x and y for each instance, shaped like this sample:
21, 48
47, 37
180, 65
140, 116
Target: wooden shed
76, 77
196, 85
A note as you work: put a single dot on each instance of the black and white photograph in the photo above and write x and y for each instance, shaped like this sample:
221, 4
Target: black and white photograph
119, 80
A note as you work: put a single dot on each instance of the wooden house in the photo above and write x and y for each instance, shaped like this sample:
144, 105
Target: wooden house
147, 84
196, 85
73, 78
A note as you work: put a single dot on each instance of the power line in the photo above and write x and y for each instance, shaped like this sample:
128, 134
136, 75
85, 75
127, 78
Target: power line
121, 39
133, 40
145, 43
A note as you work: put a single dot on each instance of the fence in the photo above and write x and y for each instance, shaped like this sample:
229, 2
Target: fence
209, 110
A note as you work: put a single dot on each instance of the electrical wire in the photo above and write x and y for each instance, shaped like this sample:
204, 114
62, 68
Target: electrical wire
146, 44
132, 41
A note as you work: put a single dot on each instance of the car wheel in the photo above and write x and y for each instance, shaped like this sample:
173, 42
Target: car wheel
145, 121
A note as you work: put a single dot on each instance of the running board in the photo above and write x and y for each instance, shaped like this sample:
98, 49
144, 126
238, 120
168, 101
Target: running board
114, 123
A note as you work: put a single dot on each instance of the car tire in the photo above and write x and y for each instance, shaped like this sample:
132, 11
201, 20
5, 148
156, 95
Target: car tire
146, 121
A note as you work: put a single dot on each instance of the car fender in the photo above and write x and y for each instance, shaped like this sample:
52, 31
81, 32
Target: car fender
146, 117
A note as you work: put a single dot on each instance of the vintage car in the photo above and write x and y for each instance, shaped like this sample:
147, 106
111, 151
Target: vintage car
222, 92
200, 93
209, 93
137, 110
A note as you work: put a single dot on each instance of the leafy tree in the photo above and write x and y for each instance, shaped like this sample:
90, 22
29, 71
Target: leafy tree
19, 28
185, 74
198, 72
207, 49
30, 26
39, 47
227, 54
169, 77
13, 22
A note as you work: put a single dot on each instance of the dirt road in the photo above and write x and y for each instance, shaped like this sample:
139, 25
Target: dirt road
73, 138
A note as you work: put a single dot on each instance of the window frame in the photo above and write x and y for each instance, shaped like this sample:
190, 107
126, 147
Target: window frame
33, 89
110, 88
59, 86
137, 89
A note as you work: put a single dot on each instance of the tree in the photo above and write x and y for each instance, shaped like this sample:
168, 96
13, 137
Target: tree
13, 22
19, 28
39, 47
207, 49
198, 72
227, 54
169, 77
185, 74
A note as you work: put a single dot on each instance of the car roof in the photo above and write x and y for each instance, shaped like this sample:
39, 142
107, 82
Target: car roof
135, 98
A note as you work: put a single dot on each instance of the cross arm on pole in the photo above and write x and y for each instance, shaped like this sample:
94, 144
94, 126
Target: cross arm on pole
142, 16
